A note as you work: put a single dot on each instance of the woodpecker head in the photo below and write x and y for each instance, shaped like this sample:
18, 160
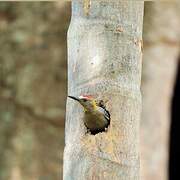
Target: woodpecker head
86, 101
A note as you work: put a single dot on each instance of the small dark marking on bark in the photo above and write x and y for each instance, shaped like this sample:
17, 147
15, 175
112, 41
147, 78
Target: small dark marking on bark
106, 26
139, 42
141, 45
119, 29
136, 42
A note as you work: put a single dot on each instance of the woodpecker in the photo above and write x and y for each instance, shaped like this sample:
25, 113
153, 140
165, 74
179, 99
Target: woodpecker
96, 117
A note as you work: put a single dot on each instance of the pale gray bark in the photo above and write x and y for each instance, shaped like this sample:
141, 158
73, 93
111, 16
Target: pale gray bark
160, 56
104, 60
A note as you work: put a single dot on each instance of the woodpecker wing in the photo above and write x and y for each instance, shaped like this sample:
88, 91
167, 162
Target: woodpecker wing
104, 112
106, 115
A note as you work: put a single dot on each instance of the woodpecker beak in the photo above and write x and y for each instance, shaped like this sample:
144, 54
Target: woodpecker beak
76, 99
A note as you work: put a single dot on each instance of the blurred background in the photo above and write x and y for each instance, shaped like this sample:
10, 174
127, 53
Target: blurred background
32, 89
33, 80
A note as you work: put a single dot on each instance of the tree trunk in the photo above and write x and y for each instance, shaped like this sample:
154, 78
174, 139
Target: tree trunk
104, 60
161, 49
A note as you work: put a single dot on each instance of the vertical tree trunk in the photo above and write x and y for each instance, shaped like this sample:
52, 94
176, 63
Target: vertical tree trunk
104, 60
161, 49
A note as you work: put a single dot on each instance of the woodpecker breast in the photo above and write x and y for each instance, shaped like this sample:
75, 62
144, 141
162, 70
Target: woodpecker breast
97, 120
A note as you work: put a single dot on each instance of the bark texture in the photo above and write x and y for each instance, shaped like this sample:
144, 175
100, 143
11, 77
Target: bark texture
160, 56
104, 60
